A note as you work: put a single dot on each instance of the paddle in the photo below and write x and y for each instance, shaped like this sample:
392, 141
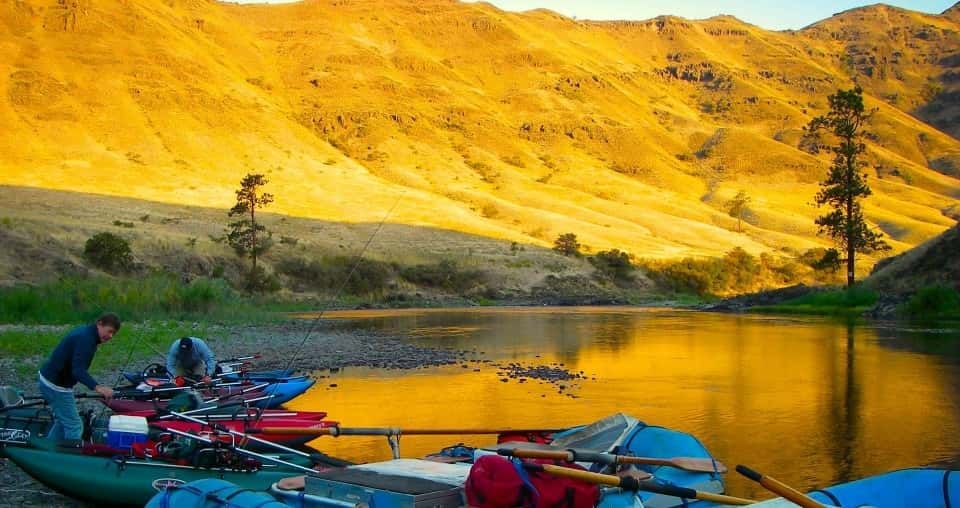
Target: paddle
389, 431
779, 488
685, 463
632, 484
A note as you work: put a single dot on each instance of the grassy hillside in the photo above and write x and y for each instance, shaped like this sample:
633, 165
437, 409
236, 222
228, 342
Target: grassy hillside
503, 127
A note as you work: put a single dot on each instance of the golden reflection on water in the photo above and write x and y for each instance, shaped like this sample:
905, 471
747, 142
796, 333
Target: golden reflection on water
811, 402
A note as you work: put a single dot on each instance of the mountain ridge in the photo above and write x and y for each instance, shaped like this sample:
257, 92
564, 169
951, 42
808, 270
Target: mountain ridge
519, 126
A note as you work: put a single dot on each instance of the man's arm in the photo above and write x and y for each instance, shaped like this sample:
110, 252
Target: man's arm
208, 359
83, 351
172, 359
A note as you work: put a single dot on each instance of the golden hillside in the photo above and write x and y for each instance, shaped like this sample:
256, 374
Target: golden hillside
518, 126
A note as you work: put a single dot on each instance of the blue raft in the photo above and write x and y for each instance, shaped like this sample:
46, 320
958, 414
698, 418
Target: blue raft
385, 483
211, 493
906, 488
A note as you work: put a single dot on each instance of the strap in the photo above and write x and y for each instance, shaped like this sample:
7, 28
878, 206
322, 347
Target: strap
946, 489
833, 499
525, 478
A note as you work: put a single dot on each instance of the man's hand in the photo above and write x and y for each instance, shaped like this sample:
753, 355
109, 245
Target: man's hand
106, 391
206, 380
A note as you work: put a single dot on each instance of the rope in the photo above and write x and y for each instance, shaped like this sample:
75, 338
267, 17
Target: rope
28, 491
343, 286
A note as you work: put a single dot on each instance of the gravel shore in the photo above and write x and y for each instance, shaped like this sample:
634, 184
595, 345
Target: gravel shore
325, 347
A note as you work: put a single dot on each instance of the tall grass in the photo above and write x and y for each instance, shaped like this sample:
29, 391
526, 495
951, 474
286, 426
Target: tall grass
842, 302
933, 302
157, 296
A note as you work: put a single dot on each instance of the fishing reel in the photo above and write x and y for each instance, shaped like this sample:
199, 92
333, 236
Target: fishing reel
154, 370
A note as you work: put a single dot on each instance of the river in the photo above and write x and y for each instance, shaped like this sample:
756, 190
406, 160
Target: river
809, 401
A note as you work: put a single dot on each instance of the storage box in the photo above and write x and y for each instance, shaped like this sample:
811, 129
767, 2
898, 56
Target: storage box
123, 431
404, 483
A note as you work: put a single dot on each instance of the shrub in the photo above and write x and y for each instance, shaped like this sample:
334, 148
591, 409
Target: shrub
613, 265
567, 245
443, 275
332, 272
933, 301
108, 252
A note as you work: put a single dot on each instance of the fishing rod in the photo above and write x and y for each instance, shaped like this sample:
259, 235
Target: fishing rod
343, 286
241, 451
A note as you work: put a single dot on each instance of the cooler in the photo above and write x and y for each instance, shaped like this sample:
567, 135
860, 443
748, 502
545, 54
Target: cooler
124, 430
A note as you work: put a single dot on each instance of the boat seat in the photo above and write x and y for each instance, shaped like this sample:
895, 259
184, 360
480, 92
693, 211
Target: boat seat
9, 396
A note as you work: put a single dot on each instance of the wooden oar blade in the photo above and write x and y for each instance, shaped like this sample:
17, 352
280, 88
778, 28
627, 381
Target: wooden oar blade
698, 464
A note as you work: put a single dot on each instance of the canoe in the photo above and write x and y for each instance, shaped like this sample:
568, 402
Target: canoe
110, 481
382, 483
906, 488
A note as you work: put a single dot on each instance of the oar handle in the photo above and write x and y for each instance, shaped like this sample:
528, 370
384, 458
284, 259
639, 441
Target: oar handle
704, 465
632, 484
391, 431
779, 488
566, 455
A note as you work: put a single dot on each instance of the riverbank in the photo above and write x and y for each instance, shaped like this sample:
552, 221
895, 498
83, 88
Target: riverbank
24, 348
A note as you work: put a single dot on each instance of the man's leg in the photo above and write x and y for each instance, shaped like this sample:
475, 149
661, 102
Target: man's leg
56, 430
66, 424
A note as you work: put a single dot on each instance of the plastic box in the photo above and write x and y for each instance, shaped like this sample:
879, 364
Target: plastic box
123, 431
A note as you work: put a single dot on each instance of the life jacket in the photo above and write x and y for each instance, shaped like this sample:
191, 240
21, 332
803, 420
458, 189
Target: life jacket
498, 482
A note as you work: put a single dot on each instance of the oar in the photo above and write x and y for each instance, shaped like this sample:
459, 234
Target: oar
238, 450
223, 428
631, 483
779, 488
389, 431
22, 405
685, 463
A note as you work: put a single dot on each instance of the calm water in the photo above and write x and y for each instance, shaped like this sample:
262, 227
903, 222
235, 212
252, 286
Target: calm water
809, 401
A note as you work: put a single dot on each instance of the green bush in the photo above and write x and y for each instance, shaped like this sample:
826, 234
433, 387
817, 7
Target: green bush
108, 252
443, 275
567, 245
613, 265
933, 301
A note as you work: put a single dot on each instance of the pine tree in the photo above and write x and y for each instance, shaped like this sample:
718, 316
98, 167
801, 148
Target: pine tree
247, 236
846, 185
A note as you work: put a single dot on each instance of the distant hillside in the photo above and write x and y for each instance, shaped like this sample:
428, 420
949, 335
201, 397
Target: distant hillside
511, 126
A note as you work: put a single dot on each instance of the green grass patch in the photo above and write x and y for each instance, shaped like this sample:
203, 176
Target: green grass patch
842, 302
155, 297
32, 345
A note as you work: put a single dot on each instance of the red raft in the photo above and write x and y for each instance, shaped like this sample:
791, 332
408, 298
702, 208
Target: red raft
245, 426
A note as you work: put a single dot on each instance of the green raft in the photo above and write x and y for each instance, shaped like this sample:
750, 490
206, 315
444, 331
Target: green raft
125, 481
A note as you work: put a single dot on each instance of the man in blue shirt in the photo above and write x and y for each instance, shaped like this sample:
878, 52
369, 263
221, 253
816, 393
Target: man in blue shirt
67, 366
190, 357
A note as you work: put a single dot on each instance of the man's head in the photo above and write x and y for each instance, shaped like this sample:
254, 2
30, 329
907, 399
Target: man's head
185, 352
107, 325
